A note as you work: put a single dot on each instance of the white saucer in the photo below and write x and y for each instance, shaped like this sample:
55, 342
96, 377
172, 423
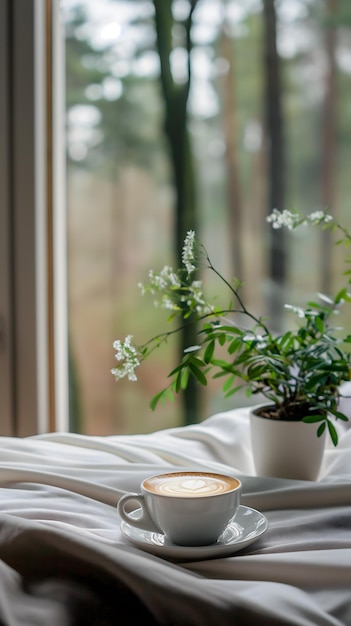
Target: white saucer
248, 526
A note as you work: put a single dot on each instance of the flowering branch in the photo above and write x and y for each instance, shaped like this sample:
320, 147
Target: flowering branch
299, 371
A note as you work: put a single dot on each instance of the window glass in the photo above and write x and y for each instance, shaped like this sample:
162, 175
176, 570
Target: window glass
120, 195
119, 211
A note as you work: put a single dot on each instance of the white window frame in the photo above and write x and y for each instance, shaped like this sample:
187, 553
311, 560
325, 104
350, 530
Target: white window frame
33, 300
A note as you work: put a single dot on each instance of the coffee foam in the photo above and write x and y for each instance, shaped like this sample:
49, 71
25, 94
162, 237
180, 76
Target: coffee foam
190, 484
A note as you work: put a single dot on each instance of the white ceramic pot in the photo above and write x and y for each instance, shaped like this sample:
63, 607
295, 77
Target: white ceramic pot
285, 449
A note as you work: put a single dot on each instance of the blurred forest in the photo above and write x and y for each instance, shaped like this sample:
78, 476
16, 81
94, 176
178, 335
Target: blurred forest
202, 114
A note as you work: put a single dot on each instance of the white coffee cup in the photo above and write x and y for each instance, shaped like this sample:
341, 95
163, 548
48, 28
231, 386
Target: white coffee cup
191, 508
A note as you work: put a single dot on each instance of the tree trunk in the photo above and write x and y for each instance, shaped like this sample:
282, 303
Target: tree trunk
231, 160
328, 146
276, 165
176, 129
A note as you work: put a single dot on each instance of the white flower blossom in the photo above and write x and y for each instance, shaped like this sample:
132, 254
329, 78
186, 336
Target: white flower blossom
166, 279
319, 216
127, 354
142, 288
261, 342
278, 219
296, 309
170, 277
167, 303
188, 254
252, 337
290, 220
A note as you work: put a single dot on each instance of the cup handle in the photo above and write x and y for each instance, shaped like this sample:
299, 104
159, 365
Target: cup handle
143, 520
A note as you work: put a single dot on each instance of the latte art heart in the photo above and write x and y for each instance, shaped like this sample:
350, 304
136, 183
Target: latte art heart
193, 485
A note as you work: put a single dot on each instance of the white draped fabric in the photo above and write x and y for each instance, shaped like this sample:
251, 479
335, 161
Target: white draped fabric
64, 561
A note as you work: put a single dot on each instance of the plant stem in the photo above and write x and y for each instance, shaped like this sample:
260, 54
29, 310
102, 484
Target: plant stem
244, 310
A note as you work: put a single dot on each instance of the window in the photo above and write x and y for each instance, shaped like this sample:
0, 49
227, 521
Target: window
68, 279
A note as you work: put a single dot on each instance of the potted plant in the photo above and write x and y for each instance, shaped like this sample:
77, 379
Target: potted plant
298, 373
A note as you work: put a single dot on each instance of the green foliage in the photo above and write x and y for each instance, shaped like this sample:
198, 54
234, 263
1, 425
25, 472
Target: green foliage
299, 371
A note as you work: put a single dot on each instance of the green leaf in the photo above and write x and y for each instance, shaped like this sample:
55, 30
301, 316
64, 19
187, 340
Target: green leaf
285, 339
222, 339
198, 374
234, 345
256, 370
341, 295
209, 351
184, 379
182, 365
232, 391
231, 330
310, 383
321, 429
222, 364
178, 382
318, 306
319, 324
339, 415
228, 383
232, 370
311, 419
332, 432
161, 395
220, 374
196, 360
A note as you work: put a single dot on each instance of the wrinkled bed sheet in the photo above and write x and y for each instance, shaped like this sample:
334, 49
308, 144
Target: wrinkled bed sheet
64, 562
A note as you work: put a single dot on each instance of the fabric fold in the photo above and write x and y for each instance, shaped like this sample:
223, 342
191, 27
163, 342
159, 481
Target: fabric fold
64, 560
